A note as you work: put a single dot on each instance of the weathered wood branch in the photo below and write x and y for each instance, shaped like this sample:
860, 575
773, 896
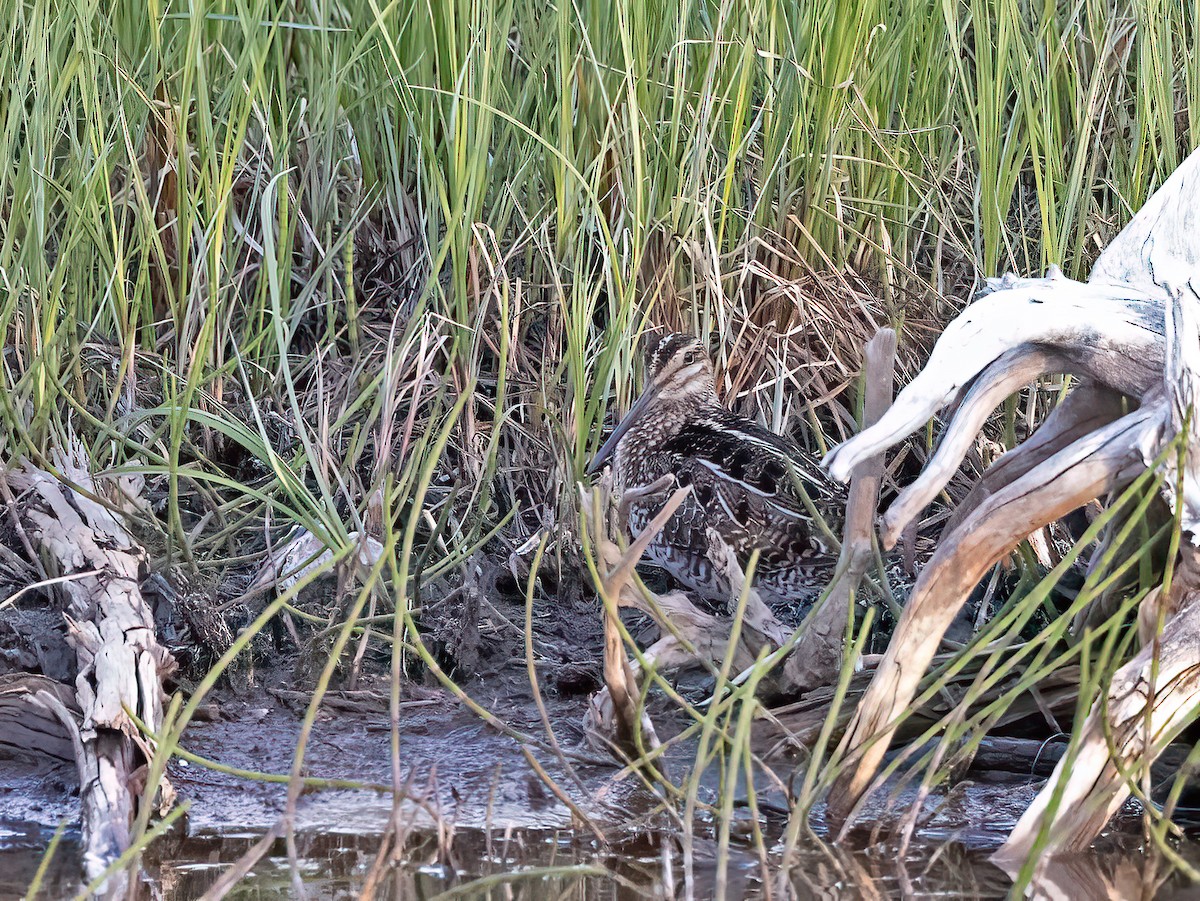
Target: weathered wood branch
817, 657
1087, 408
120, 662
798, 725
617, 710
1090, 467
1094, 787
688, 635
1112, 333
1014, 369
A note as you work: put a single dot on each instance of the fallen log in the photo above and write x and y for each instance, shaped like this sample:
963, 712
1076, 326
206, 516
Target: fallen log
98, 568
1131, 331
1037, 757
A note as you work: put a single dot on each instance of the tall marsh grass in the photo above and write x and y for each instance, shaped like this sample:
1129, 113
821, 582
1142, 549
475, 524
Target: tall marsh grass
380, 268
312, 218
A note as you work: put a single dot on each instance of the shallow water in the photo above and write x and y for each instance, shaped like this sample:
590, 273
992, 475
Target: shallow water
519, 864
337, 848
541, 866
503, 834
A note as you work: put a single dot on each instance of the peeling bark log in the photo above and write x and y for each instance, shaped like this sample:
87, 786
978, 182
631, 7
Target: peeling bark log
1133, 329
120, 662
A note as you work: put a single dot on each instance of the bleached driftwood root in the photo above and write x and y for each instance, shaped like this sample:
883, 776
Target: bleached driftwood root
1157, 694
1086, 410
1131, 332
689, 635
120, 662
1048, 491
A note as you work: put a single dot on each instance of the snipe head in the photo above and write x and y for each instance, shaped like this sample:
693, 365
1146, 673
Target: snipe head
679, 378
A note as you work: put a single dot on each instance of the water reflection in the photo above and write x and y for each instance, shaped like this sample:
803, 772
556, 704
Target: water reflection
545, 866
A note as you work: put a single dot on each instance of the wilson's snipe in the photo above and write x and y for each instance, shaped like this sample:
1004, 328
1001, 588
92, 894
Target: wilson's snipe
748, 484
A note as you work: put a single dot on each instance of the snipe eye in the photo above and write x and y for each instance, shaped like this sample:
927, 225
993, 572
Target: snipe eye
689, 358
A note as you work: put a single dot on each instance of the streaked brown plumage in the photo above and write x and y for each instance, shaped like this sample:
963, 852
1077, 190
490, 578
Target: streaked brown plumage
746, 482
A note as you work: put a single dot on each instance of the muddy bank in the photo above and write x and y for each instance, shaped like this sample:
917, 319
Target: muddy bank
474, 806
477, 809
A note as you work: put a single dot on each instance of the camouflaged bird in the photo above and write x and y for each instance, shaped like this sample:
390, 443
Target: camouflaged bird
748, 484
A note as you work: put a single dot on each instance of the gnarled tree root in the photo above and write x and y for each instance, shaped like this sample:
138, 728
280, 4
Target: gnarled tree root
1075, 475
1133, 331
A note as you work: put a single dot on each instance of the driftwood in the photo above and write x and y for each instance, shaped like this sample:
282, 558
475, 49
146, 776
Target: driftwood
616, 710
1130, 332
1157, 694
120, 663
1094, 787
817, 656
688, 635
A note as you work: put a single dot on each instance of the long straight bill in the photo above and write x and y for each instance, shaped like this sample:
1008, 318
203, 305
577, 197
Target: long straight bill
610, 446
